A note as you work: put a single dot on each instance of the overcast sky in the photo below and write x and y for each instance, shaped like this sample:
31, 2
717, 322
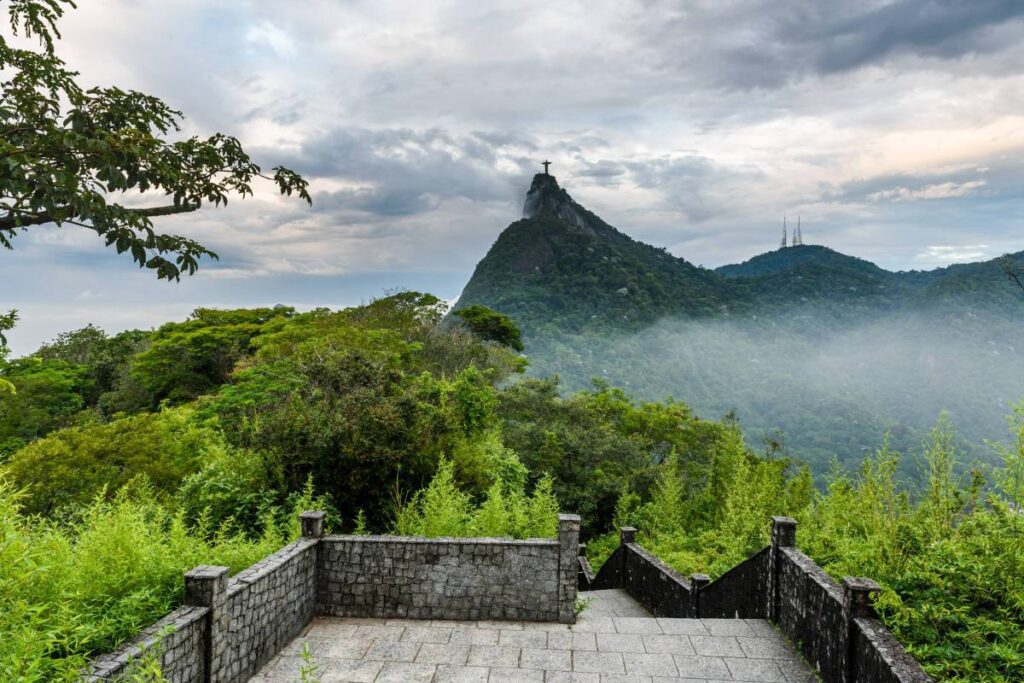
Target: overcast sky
894, 128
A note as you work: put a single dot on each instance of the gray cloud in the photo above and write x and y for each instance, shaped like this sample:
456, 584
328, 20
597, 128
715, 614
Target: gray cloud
768, 44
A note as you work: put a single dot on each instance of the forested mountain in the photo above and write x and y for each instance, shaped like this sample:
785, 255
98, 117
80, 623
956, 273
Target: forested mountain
818, 351
563, 269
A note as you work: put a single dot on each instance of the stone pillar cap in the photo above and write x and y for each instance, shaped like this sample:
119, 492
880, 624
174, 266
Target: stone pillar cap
206, 571
860, 584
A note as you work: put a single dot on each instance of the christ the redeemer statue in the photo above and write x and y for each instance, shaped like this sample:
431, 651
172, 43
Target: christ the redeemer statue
546, 164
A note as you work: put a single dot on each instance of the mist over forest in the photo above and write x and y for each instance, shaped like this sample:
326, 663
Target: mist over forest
818, 386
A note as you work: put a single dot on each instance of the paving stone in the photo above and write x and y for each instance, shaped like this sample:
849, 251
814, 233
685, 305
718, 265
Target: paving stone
797, 671
598, 649
349, 671
501, 674
490, 655
716, 646
501, 625
598, 662
572, 640
761, 670
701, 667
649, 664
594, 625
287, 665
443, 653
523, 639
626, 678
475, 636
571, 677
404, 672
620, 642
766, 648
461, 674
295, 647
762, 628
637, 625
426, 634
330, 629
670, 644
393, 652
347, 648
387, 634
545, 626
549, 660
728, 627
688, 627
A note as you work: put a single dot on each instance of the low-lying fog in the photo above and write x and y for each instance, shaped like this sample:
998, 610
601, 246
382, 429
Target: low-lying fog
832, 388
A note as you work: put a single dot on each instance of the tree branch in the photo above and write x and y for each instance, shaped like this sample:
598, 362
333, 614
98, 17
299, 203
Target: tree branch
13, 221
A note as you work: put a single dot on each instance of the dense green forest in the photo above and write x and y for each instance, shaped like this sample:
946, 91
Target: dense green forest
129, 458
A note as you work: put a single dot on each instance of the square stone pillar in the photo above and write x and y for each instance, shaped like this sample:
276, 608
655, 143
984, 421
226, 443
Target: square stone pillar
858, 596
697, 583
783, 536
312, 523
568, 566
207, 586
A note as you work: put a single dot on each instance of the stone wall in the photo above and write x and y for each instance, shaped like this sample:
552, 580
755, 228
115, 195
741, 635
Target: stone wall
450, 578
229, 628
663, 591
810, 613
176, 640
739, 593
267, 605
833, 625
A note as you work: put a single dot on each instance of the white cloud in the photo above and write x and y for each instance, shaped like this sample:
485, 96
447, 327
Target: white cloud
940, 255
266, 34
948, 190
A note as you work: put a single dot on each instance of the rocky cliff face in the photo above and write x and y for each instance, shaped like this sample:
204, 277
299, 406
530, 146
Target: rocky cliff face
546, 197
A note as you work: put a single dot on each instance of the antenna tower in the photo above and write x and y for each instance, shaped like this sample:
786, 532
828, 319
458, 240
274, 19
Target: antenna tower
783, 245
798, 239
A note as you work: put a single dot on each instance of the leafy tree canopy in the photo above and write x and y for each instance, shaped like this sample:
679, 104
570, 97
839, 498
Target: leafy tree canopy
490, 325
69, 154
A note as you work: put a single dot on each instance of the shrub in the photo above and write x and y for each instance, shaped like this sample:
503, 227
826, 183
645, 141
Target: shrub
70, 591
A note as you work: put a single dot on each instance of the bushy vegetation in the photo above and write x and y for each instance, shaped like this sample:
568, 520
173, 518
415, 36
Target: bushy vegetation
949, 556
127, 465
83, 585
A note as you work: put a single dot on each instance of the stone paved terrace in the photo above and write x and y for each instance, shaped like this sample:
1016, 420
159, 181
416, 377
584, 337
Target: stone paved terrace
613, 641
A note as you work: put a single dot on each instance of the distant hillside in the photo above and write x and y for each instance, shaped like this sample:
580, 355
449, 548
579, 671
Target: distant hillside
828, 348
790, 258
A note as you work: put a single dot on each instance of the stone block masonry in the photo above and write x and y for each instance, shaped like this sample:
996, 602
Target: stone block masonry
834, 626
229, 628
450, 578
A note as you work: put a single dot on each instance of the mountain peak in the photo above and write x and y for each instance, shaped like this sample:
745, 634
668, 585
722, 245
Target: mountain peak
546, 197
